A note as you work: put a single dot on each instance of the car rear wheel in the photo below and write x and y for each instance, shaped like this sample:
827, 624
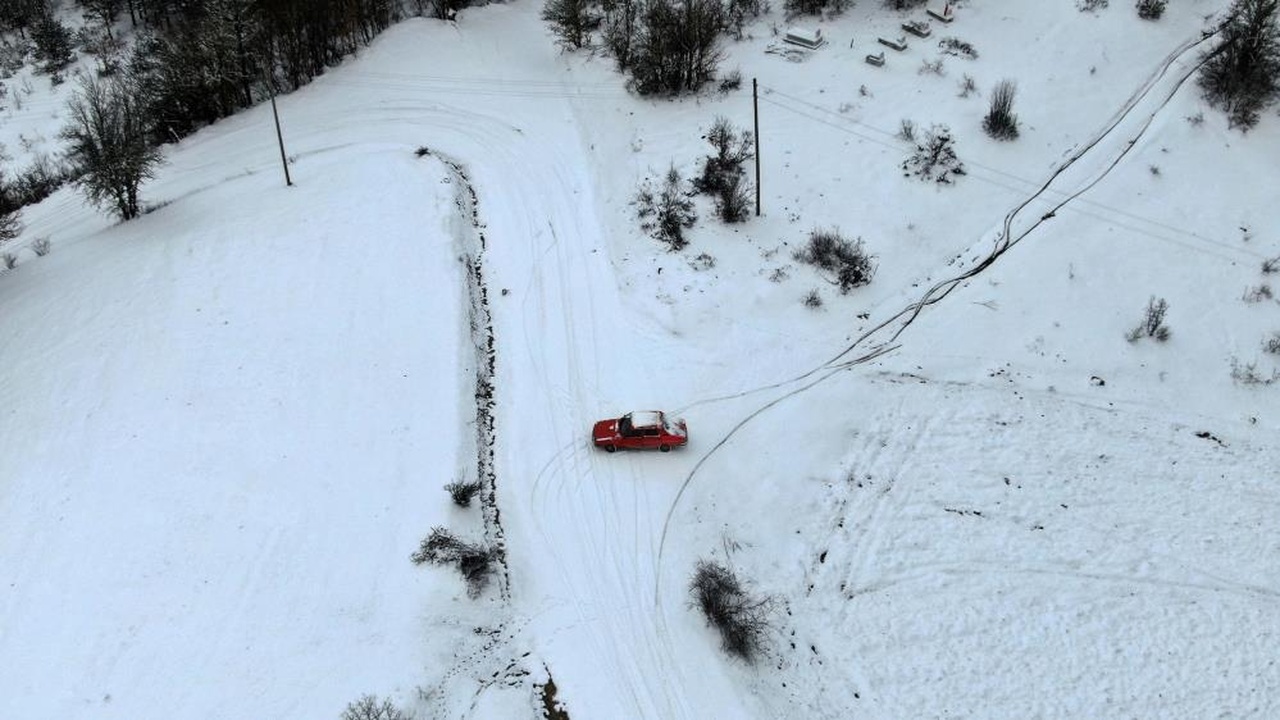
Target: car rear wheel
609, 448
664, 447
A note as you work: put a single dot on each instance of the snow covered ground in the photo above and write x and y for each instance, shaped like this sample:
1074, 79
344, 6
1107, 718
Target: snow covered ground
226, 425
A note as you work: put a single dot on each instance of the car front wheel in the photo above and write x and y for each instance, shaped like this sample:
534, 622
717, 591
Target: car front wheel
664, 447
609, 448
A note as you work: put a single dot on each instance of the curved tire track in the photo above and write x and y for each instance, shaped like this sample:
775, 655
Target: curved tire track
1005, 240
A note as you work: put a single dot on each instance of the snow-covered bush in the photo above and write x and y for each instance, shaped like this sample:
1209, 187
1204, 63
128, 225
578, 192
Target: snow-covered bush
1249, 374
903, 4
462, 492
473, 561
674, 47
1258, 293
740, 618
1151, 9
1001, 123
41, 246
370, 707
667, 213
1271, 265
959, 48
812, 299
10, 226
1152, 324
934, 157
1272, 344
846, 261
9, 260
1091, 5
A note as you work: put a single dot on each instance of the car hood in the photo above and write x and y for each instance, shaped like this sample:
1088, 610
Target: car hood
605, 429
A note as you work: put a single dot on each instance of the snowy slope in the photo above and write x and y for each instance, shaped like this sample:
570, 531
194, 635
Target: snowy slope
226, 424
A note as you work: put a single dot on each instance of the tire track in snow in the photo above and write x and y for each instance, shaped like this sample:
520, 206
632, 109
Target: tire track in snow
1004, 241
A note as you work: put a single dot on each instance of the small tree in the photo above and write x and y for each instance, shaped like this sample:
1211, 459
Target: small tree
1241, 73
571, 21
1152, 324
934, 157
53, 42
667, 214
722, 172
370, 707
1151, 9
110, 144
675, 48
1000, 122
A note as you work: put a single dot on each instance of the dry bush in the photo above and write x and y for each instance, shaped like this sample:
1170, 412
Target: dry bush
847, 261
473, 561
1258, 293
1152, 324
462, 492
741, 619
1001, 123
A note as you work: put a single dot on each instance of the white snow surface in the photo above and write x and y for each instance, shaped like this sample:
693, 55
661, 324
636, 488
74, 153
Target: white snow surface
225, 426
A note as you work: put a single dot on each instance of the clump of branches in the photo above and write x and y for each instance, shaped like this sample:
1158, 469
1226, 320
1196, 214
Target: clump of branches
1001, 123
667, 212
473, 561
1241, 74
462, 492
1249, 374
370, 707
1271, 345
1091, 5
723, 176
1258, 293
1271, 265
847, 261
740, 618
1152, 324
934, 157
1151, 9
903, 4
959, 48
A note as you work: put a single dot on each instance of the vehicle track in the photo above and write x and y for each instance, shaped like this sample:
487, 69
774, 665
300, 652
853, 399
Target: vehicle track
881, 337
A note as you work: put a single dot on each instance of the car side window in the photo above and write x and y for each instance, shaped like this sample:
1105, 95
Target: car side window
651, 432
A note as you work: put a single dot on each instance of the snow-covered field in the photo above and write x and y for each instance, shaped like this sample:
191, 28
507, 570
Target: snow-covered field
224, 427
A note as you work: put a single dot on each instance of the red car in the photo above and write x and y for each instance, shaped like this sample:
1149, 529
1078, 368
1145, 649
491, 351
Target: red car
639, 430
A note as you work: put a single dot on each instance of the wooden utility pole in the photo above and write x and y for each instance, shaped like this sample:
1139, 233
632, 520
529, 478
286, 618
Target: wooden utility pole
755, 112
284, 160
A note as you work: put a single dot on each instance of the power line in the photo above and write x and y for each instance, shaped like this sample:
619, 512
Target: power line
845, 122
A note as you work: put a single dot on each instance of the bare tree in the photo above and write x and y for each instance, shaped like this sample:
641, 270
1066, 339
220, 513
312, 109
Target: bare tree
1241, 74
110, 145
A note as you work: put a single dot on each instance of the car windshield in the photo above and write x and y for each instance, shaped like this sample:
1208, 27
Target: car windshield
624, 425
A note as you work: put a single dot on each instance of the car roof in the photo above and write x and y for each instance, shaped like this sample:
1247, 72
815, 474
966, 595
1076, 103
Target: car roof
646, 418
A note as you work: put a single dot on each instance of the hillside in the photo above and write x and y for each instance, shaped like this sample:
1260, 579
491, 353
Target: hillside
961, 490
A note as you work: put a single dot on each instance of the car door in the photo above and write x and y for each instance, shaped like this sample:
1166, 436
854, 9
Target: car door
652, 437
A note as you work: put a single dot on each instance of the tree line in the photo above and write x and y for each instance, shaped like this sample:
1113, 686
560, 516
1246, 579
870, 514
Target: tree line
193, 62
